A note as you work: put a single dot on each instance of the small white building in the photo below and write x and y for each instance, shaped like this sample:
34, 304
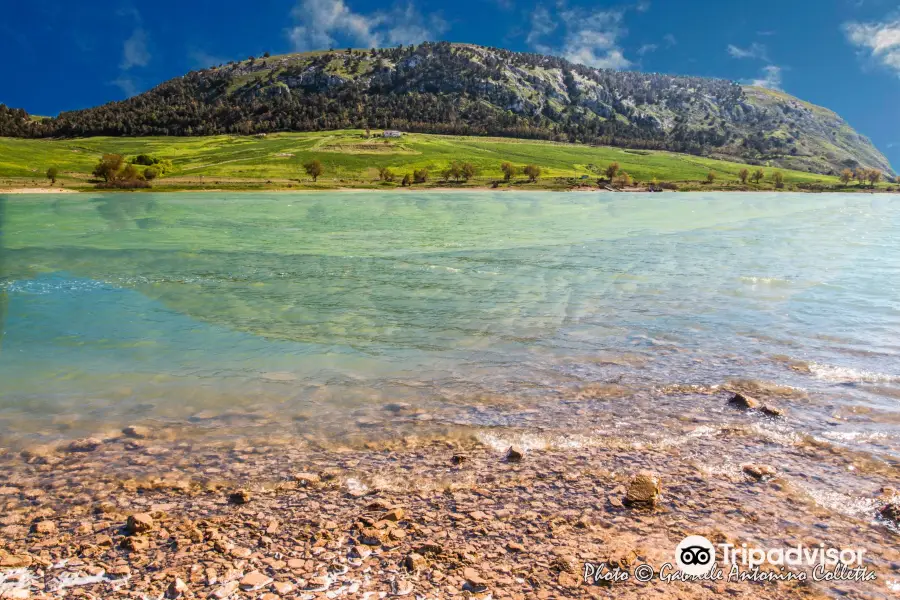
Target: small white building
392, 133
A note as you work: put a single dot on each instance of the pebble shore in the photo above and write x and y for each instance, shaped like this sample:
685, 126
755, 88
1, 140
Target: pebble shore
133, 517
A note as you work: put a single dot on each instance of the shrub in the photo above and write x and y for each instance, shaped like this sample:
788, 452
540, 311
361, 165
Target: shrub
386, 174
420, 175
778, 178
151, 173
52, 172
533, 172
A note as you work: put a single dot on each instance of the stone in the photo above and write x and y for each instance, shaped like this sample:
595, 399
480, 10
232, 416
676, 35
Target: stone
401, 588
15, 561
283, 587
135, 543
254, 581
225, 591
44, 527
891, 511
307, 479
138, 523
643, 490
772, 411
395, 514
136, 431
759, 471
743, 401
414, 562
515, 547
239, 497
474, 582
177, 589
84, 445
432, 548
296, 564
318, 584
361, 552
514, 454
458, 459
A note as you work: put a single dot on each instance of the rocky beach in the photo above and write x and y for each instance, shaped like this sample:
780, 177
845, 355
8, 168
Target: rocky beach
141, 515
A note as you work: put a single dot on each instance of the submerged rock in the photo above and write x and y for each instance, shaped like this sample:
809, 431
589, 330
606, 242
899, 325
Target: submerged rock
239, 497
514, 454
743, 401
760, 471
643, 490
891, 511
84, 445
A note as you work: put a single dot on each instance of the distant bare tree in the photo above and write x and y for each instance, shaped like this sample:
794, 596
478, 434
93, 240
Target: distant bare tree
743, 174
611, 170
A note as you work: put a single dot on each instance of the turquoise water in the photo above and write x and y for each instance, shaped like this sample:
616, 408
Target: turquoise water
310, 312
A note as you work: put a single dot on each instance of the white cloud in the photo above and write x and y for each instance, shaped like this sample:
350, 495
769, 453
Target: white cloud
126, 84
670, 40
134, 51
589, 38
769, 78
321, 24
755, 50
880, 41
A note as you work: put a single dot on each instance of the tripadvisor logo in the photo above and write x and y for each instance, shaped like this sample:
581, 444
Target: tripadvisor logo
695, 555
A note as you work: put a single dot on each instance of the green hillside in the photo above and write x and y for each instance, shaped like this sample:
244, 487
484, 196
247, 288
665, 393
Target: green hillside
276, 161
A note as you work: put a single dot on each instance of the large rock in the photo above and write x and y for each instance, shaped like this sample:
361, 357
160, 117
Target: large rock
643, 490
743, 401
138, 523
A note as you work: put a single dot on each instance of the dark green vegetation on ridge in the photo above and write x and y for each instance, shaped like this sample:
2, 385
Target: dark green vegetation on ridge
471, 90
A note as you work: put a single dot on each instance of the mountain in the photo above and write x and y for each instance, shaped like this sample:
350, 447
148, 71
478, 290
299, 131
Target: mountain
474, 90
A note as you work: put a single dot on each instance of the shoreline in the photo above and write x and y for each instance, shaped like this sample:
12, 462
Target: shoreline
440, 190
139, 512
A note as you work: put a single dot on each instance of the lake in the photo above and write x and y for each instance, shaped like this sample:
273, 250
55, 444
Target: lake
554, 318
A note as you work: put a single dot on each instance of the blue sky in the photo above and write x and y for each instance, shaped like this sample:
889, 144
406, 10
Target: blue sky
842, 54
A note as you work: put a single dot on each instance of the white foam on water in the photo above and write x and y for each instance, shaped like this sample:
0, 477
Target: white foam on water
765, 280
15, 579
535, 441
846, 374
850, 506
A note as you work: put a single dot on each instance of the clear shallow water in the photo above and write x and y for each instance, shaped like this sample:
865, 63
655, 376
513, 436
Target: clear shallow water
307, 313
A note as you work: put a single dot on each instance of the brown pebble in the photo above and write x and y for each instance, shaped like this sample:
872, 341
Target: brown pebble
514, 454
239, 497
644, 490
254, 581
138, 523
759, 471
743, 401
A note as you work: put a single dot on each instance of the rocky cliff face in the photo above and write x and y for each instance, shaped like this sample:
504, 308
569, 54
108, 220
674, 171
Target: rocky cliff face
461, 88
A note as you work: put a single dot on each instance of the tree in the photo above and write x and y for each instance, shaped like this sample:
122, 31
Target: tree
743, 174
108, 167
533, 172
314, 168
386, 174
623, 179
454, 170
846, 176
874, 176
151, 173
469, 171
611, 170
407, 180
778, 178
710, 177
420, 175
509, 171
758, 175
129, 173
52, 172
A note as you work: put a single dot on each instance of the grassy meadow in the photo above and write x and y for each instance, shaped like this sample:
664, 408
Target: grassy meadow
350, 160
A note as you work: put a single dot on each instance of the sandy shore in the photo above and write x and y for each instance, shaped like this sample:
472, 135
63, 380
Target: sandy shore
36, 190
